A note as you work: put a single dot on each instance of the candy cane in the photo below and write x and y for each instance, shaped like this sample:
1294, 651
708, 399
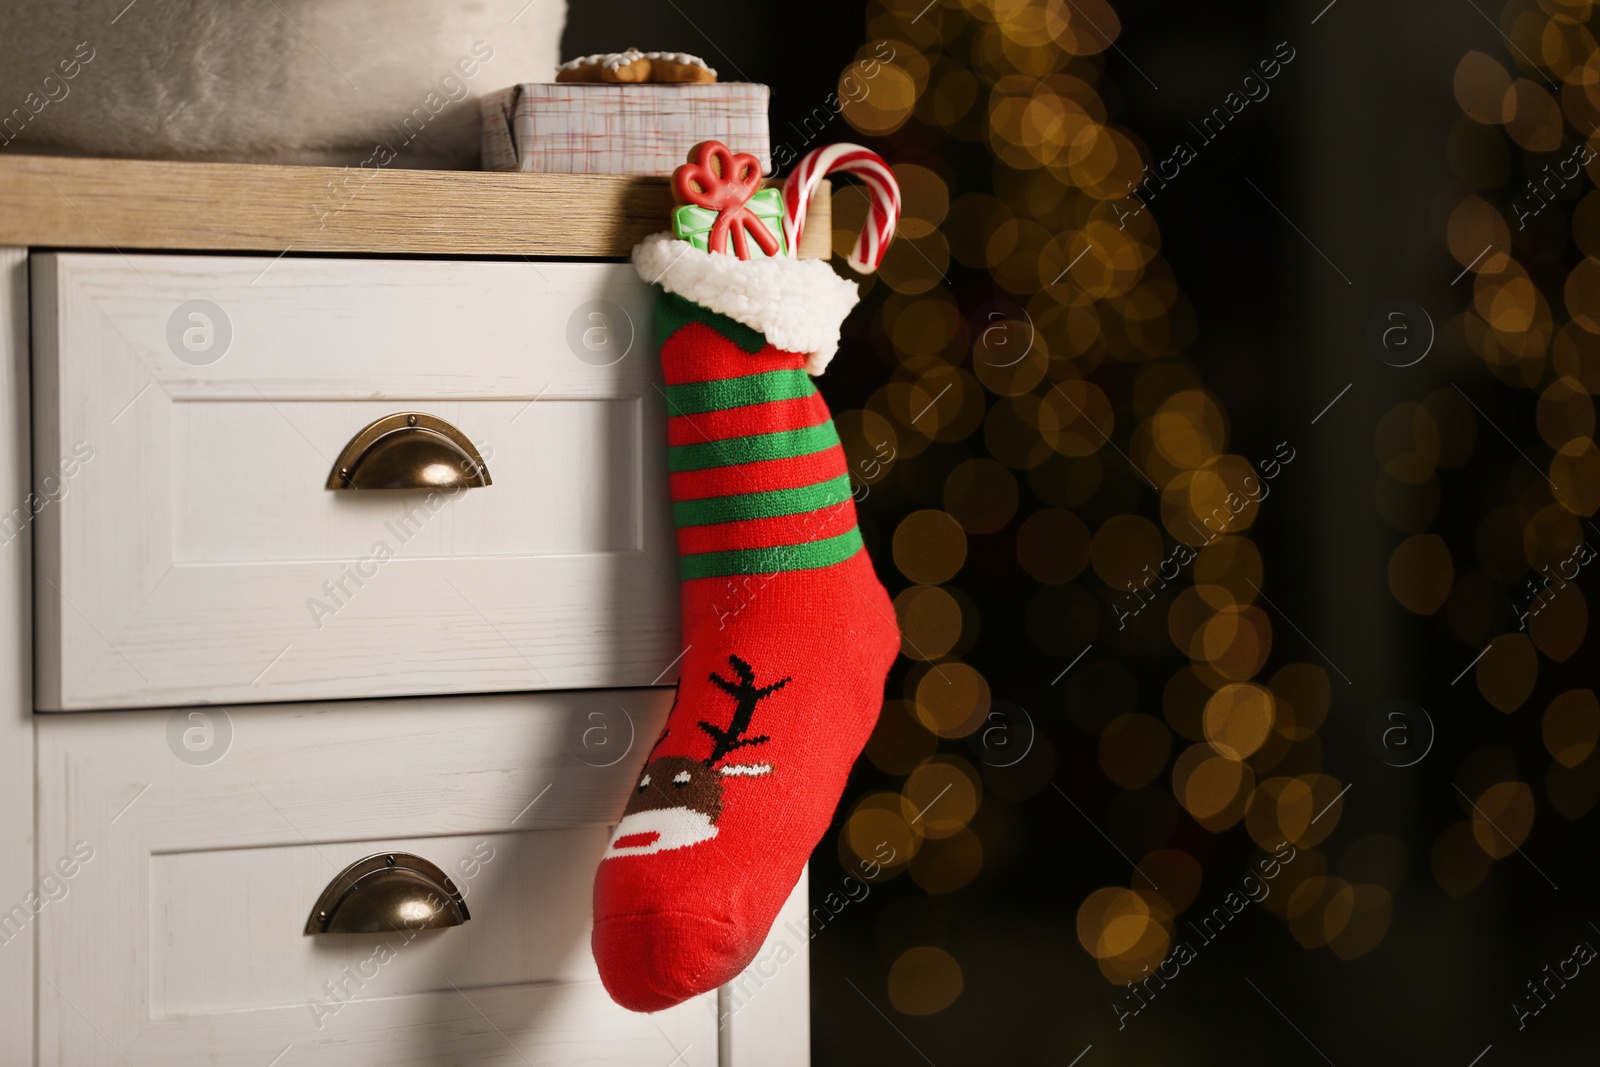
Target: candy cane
865, 164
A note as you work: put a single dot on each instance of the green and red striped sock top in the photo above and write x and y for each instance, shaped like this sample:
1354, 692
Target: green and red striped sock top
759, 480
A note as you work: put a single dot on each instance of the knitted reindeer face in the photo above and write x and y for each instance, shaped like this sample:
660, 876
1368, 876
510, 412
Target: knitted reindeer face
679, 799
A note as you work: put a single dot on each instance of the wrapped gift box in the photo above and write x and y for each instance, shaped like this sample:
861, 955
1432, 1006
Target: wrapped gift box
592, 128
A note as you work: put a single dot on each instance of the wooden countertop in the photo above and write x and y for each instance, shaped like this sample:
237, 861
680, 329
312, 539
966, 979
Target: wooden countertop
126, 204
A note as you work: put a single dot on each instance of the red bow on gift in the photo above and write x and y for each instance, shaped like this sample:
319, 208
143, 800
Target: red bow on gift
724, 181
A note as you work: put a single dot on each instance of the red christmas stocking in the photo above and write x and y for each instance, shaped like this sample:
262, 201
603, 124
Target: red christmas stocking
789, 634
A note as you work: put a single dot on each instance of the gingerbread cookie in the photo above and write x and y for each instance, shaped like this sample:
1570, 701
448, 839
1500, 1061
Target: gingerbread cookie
679, 68
633, 67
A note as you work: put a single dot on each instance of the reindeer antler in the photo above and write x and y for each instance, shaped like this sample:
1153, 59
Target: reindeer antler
747, 678
746, 695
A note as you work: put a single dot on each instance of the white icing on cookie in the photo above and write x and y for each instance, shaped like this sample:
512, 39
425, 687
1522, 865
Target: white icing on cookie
586, 61
617, 60
680, 57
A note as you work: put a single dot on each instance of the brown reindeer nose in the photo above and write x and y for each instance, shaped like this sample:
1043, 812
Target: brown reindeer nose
677, 782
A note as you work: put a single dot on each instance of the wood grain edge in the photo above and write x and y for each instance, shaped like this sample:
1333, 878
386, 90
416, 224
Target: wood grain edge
16, 695
127, 204
144, 204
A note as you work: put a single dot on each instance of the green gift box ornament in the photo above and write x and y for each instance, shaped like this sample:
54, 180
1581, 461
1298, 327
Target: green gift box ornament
693, 223
723, 207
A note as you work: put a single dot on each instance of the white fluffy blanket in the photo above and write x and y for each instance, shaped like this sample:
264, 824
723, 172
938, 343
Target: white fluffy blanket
302, 81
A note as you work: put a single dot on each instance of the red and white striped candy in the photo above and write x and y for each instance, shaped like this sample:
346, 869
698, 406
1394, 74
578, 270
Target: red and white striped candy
871, 169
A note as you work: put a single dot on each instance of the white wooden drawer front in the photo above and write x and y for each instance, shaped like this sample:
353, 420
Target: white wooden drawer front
177, 940
189, 552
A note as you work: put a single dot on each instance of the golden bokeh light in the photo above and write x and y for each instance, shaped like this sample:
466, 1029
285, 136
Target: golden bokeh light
1371, 909
1502, 817
948, 864
1575, 474
949, 405
1083, 418
1532, 117
1575, 353
928, 325
930, 621
1565, 43
1558, 630
924, 981
1220, 497
1126, 551
1236, 641
1319, 909
1155, 941
1010, 356
952, 699
878, 826
945, 795
1534, 325
1112, 921
1408, 443
1308, 865
915, 264
1565, 413
1302, 810
929, 547
1481, 85
1228, 571
1571, 726
1549, 537
1211, 787
997, 429
1186, 623
1238, 719
1474, 225
1189, 429
924, 200
1507, 672
886, 107
1582, 294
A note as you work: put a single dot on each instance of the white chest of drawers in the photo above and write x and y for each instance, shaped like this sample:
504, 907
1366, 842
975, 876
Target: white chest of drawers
224, 747
194, 542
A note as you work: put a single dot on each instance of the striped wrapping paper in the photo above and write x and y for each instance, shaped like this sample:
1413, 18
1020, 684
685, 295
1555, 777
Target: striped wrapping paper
589, 128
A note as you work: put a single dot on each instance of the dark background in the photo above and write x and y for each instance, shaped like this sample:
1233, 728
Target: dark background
1351, 146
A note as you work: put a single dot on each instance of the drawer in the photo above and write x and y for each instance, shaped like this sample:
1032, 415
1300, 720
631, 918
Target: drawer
176, 938
188, 413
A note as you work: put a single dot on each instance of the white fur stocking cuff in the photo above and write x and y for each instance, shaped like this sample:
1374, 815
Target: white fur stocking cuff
797, 304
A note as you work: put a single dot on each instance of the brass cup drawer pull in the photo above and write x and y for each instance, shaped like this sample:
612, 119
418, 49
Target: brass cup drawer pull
409, 450
387, 891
